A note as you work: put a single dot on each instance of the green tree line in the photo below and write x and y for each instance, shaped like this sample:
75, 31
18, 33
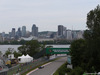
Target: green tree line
85, 52
21, 42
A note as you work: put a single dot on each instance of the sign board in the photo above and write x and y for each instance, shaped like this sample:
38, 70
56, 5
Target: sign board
57, 50
69, 59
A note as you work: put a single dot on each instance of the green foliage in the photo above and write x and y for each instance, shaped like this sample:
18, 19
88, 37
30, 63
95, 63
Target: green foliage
5, 42
77, 52
92, 37
31, 48
62, 70
14, 42
76, 71
86, 53
22, 42
12, 51
22, 49
16, 54
9, 51
62, 41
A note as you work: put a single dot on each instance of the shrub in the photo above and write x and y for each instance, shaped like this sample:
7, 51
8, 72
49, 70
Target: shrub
76, 71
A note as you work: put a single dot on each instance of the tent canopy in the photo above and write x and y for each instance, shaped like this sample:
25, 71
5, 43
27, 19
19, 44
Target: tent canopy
24, 59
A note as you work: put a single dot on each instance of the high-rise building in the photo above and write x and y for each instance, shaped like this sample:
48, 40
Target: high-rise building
60, 30
27, 33
3, 34
79, 34
13, 32
34, 30
74, 35
19, 32
23, 31
69, 35
64, 32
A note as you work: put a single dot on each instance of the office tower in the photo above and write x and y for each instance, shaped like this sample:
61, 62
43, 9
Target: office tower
69, 35
74, 35
34, 30
13, 32
3, 34
64, 32
27, 33
10, 33
79, 34
19, 32
23, 31
60, 30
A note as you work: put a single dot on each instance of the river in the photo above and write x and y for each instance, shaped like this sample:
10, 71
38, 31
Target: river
4, 48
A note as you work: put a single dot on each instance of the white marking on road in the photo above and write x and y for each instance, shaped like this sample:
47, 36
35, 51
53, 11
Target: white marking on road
47, 63
53, 73
32, 71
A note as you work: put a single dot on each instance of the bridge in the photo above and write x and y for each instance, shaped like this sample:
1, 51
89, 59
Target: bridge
57, 50
47, 51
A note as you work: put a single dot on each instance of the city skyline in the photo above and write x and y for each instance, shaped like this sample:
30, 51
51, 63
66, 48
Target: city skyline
62, 33
21, 29
46, 14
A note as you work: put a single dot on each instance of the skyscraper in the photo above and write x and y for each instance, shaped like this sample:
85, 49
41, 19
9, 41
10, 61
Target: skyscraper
3, 34
13, 32
69, 35
60, 30
23, 31
19, 32
34, 30
64, 32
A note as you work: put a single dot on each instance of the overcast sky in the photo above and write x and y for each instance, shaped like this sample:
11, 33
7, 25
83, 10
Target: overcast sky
46, 14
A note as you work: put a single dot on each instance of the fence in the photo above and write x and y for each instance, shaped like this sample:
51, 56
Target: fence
4, 72
22, 68
91, 74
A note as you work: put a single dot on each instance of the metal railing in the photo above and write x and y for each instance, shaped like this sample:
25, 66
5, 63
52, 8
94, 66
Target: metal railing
4, 71
92, 74
22, 68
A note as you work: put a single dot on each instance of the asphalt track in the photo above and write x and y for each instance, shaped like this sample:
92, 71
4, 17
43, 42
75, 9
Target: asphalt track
50, 68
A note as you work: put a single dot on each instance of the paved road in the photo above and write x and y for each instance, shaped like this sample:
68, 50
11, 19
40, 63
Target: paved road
51, 68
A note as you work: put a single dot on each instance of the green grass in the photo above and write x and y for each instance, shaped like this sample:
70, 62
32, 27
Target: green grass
12, 71
62, 69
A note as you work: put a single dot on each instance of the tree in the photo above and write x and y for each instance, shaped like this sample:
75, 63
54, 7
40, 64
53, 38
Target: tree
16, 54
22, 42
22, 49
77, 52
31, 47
76, 71
92, 37
86, 53
9, 51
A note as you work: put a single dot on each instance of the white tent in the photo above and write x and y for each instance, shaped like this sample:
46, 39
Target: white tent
24, 59
29, 59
